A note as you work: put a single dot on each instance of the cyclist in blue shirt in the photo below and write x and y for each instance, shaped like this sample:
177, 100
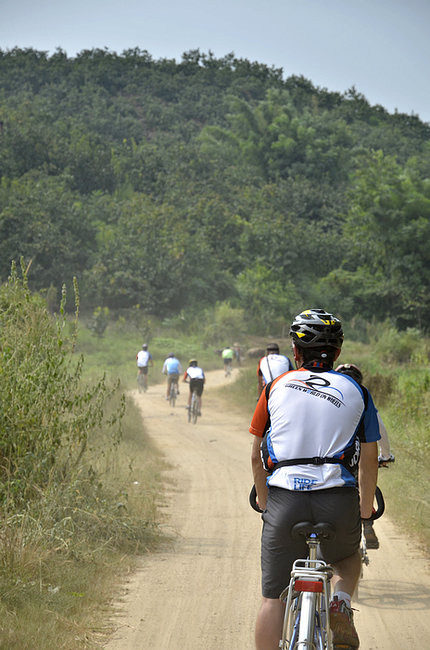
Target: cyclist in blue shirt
172, 368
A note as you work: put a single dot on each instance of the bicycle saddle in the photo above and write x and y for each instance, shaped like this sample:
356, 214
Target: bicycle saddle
305, 528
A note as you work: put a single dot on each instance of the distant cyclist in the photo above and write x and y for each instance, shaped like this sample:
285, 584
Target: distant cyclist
196, 378
144, 361
227, 356
172, 368
385, 455
271, 366
237, 353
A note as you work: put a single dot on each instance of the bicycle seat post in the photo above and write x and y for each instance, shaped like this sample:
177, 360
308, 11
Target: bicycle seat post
312, 541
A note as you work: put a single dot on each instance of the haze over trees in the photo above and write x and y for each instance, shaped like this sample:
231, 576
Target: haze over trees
173, 186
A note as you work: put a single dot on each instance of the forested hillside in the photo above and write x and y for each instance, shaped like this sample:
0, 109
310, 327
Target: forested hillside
171, 186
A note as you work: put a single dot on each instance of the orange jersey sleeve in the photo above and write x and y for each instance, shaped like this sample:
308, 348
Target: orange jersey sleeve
261, 414
260, 417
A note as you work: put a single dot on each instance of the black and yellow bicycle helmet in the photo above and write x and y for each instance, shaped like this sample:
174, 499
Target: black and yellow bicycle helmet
316, 328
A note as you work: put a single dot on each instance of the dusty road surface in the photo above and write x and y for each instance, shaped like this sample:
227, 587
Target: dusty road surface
202, 592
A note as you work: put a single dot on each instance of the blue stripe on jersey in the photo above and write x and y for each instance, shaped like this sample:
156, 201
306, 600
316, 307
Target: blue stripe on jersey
371, 425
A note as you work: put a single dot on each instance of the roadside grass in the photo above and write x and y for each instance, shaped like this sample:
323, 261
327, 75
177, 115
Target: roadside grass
61, 560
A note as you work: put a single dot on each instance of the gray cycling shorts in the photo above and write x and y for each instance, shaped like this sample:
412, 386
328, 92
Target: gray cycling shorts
337, 506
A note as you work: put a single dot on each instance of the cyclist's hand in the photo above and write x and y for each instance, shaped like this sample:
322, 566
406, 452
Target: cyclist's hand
369, 517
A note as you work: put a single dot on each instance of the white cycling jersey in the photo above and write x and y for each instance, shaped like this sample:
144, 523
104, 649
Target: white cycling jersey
313, 412
143, 357
273, 365
194, 372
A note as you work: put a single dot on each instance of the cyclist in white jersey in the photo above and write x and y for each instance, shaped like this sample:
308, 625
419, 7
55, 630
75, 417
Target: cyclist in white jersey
271, 366
144, 361
144, 357
196, 377
315, 442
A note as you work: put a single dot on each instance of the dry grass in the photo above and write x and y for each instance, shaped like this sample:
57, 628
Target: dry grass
57, 572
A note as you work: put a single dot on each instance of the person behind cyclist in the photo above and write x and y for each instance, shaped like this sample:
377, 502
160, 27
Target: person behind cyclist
237, 353
197, 380
227, 356
172, 368
316, 435
144, 360
385, 455
271, 366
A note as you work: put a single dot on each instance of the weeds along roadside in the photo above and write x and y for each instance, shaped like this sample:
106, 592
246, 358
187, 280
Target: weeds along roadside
395, 368
75, 510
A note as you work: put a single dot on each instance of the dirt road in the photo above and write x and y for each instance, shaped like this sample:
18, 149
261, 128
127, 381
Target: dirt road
203, 591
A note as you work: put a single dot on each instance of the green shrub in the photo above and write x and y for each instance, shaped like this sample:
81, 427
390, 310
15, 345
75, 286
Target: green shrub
394, 346
223, 324
46, 411
381, 387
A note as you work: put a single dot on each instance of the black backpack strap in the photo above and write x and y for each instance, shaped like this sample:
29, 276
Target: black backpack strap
315, 460
270, 371
267, 390
349, 460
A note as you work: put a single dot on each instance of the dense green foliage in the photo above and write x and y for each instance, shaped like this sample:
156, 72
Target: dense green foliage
47, 414
171, 186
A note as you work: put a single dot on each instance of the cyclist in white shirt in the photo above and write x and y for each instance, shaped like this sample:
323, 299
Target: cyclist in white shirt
271, 366
196, 377
315, 443
144, 360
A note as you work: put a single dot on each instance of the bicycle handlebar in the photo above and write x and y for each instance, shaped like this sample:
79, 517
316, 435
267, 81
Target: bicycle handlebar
253, 500
375, 515
380, 506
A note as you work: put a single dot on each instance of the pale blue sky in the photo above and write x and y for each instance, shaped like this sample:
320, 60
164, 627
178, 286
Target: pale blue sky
382, 47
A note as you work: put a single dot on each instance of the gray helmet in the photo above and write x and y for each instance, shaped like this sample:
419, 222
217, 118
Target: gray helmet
316, 328
145, 346
272, 348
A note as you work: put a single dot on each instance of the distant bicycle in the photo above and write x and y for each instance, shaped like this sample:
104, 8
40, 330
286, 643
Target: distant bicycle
228, 367
173, 393
142, 380
193, 411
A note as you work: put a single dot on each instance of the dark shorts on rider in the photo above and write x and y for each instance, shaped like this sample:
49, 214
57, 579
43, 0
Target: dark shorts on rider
143, 370
197, 385
337, 506
172, 377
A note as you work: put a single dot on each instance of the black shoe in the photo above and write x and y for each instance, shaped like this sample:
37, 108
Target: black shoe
372, 541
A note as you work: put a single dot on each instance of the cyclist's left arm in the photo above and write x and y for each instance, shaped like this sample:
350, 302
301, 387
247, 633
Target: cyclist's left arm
259, 473
367, 477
